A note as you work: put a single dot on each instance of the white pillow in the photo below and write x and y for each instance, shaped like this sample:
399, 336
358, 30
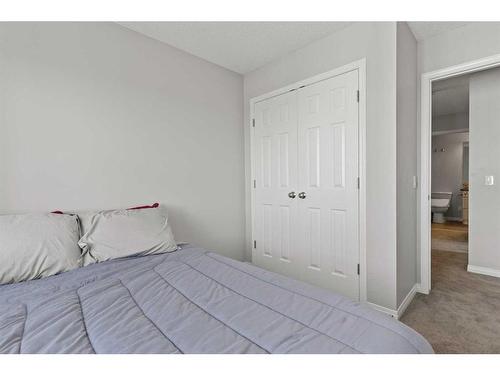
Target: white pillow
121, 233
37, 245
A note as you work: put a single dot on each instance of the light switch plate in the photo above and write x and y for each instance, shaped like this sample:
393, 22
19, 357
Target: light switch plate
489, 180
415, 182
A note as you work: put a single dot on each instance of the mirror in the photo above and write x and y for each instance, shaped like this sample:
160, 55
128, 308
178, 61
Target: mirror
465, 163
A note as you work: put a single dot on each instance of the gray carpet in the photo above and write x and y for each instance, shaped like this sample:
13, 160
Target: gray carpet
462, 312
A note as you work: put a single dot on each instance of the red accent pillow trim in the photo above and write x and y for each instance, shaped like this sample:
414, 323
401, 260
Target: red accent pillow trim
154, 205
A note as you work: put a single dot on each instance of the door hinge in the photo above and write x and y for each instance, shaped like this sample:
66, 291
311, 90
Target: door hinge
253, 122
359, 183
357, 96
254, 184
254, 244
358, 268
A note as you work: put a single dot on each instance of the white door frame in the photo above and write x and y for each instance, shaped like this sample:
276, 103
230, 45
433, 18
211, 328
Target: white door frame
426, 156
359, 65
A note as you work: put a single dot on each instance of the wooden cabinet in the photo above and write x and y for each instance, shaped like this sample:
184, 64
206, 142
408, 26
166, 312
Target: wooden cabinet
465, 207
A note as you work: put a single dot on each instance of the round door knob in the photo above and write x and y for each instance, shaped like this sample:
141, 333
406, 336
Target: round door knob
292, 194
302, 195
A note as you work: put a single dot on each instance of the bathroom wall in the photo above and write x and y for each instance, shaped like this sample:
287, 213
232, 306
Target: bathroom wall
451, 122
447, 168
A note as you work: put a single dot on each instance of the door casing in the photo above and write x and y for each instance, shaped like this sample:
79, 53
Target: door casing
360, 66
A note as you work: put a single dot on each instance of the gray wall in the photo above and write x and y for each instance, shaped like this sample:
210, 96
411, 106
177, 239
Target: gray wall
377, 42
406, 160
484, 154
447, 168
467, 43
93, 115
463, 44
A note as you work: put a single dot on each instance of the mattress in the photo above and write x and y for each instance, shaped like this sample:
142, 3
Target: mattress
190, 301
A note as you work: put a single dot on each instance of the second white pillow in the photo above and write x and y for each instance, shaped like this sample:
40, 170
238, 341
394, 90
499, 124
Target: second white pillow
122, 233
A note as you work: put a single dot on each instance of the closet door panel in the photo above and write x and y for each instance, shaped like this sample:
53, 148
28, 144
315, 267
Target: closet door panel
328, 171
275, 166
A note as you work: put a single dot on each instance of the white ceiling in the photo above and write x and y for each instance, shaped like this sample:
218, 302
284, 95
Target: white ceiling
424, 30
450, 96
238, 46
245, 46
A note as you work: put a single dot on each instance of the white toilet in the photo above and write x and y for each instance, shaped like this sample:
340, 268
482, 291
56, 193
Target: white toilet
440, 203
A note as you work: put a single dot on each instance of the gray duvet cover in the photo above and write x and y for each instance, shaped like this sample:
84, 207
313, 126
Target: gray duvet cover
190, 301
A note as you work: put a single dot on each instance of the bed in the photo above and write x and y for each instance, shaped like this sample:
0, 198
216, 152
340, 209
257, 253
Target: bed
190, 301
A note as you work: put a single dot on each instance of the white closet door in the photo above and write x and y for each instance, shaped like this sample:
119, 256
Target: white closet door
275, 166
328, 172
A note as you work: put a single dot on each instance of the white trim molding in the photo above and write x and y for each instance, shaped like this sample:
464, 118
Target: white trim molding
385, 310
402, 307
449, 218
360, 66
424, 211
407, 300
483, 270
418, 289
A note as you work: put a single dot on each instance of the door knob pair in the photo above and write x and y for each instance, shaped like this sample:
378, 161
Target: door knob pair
292, 195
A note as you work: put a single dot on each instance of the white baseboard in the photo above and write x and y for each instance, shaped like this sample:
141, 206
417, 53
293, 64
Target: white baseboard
453, 218
402, 307
483, 270
419, 289
383, 309
407, 300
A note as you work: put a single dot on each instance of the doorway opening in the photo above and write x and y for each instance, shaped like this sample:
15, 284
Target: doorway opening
450, 169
